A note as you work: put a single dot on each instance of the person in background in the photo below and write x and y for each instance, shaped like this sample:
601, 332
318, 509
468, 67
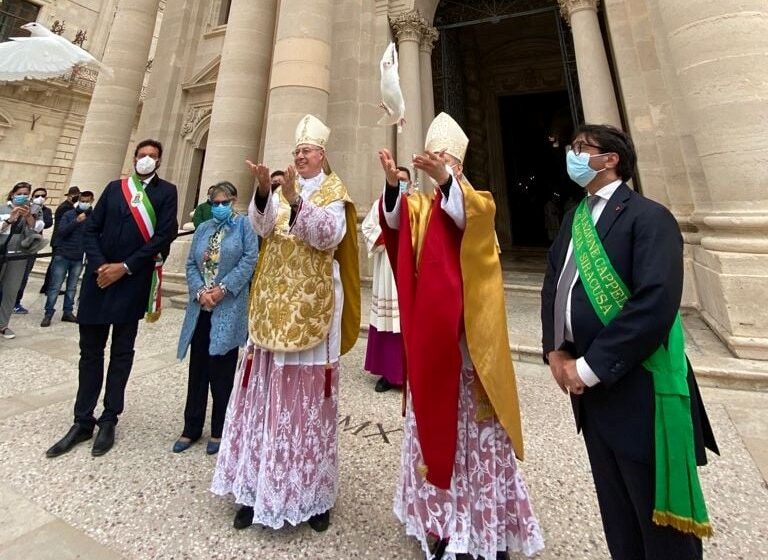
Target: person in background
67, 263
17, 224
204, 210
219, 270
384, 352
69, 202
277, 179
41, 213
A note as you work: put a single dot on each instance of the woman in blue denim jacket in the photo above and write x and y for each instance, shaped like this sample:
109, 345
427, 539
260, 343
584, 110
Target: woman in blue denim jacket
219, 270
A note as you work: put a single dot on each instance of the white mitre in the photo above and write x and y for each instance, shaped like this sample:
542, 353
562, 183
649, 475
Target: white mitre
312, 130
445, 134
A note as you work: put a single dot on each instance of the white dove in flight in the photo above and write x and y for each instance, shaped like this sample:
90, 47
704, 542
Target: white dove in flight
391, 95
43, 55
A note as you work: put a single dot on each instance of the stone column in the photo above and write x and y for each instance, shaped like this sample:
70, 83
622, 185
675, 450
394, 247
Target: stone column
301, 75
238, 106
428, 38
112, 113
720, 54
408, 28
597, 94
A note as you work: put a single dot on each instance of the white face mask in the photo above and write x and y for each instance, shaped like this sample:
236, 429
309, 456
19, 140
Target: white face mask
39, 200
145, 165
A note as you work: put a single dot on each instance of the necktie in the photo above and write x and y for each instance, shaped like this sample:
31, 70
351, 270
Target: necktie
564, 288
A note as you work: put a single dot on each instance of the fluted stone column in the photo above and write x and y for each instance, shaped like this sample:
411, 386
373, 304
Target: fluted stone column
112, 112
408, 28
428, 38
597, 94
241, 91
720, 53
301, 75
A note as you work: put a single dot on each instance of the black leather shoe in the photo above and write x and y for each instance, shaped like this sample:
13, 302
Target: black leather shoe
76, 434
46, 322
243, 518
382, 386
439, 549
320, 521
105, 439
69, 318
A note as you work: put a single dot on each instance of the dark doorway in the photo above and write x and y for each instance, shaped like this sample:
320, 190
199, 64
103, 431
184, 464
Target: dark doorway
535, 130
505, 70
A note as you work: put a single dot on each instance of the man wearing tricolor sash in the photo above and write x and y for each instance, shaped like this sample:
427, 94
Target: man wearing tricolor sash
126, 239
613, 338
460, 490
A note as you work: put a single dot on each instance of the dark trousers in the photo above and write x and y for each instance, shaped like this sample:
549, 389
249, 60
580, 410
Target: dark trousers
205, 370
93, 340
24, 280
46, 282
625, 492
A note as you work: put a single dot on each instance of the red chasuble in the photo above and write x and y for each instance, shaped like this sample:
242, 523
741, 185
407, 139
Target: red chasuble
425, 257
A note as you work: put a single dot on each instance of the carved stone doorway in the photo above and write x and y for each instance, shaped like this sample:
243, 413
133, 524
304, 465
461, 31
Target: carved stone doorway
193, 191
506, 71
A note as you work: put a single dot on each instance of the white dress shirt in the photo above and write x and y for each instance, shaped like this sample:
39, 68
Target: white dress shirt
585, 372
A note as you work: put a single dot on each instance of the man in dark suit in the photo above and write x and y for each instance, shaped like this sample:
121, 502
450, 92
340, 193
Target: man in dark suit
601, 366
121, 253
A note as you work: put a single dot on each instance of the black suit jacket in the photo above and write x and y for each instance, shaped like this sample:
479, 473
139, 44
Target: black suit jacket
643, 242
112, 236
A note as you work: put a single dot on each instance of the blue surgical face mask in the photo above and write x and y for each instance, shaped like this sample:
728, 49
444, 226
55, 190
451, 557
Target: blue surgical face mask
578, 168
403, 186
20, 199
221, 212
84, 205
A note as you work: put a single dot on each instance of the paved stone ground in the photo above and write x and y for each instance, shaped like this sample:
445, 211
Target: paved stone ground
141, 501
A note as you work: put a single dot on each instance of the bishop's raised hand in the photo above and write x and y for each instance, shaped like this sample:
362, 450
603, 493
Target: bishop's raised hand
389, 166
261, 173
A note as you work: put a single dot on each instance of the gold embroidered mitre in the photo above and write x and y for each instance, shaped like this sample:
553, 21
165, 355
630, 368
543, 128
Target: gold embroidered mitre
445, 134
312, 130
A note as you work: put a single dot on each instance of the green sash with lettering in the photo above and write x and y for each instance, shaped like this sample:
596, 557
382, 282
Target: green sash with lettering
679, 500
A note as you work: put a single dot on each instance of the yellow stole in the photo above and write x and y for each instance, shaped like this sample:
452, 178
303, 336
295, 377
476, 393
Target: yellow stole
292, 295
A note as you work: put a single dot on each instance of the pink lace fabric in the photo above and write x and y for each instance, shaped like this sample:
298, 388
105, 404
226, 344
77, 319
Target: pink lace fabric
279, 447
321, 227
487, 509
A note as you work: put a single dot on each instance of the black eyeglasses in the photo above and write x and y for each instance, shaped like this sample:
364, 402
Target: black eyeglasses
578, 146
221, 202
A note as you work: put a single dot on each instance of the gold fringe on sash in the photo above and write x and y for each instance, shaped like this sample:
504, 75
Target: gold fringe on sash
682, 524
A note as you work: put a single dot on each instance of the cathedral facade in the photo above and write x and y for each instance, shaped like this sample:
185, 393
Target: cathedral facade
219, 81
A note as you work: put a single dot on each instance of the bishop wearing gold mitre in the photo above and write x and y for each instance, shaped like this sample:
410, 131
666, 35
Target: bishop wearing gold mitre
279, 449
460, 490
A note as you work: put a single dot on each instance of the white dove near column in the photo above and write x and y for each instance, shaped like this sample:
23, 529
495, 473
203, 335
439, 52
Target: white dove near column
43, 55
391, 95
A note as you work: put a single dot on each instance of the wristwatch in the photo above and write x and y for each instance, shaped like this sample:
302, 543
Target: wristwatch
223, 288
127, 270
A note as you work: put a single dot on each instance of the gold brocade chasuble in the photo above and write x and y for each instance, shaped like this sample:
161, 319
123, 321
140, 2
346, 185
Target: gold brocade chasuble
485, 317
292, 293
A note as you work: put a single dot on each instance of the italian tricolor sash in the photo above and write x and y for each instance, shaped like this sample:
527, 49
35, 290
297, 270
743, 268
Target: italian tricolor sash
679, 500
146, 220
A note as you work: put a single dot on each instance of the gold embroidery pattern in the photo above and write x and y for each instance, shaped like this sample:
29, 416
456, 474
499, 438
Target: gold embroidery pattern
292, 291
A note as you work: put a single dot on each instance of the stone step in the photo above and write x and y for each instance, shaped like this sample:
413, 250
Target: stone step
512, 283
